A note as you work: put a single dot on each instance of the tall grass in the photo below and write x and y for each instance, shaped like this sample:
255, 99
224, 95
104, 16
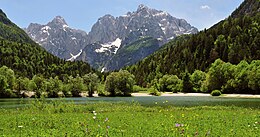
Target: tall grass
123, 119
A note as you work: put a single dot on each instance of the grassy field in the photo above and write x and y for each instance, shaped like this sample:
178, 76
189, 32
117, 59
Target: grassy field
125, 119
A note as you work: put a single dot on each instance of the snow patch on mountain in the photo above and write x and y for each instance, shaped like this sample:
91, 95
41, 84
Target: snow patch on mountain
73, 57
160, 39
162, 13
163, 29
103, 69
108, 46
46, 29
32, 36
43, 39
52, 43
117, 43
65, 26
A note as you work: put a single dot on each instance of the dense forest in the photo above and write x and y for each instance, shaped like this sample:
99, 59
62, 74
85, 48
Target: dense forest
224, 58
232, 40
27, 58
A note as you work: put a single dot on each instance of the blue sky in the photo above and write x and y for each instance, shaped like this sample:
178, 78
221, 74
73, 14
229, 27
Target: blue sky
82, 14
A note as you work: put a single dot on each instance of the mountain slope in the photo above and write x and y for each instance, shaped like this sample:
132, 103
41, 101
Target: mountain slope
58, 38
232, 40
26, 58
10, 31
142, 22
132, 53
129, 30
109, 35
248, 7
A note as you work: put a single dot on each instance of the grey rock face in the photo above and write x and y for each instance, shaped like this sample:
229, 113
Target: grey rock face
143, 22
108, 44
96, 59
131, 29
57, 37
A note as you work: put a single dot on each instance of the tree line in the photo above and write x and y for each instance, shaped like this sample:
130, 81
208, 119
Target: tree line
67, 86
242, 78
116, 84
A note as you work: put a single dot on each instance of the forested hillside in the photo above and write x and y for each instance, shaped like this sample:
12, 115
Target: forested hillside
249, 7
132, 53
27, 58
232, 40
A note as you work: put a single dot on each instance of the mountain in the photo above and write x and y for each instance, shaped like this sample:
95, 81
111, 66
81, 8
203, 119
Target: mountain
248, 7
129, 30
143, 22
232, 40
11, 31
57, 37
27, 58
102, 46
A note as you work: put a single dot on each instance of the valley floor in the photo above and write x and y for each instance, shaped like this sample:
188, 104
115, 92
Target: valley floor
124, 119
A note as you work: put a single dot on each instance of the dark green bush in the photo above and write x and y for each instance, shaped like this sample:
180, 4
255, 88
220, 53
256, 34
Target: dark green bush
215, 93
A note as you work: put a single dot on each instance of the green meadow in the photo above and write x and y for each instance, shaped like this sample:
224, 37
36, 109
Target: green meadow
57, 118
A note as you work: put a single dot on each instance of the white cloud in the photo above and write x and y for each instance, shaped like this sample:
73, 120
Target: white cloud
205, 7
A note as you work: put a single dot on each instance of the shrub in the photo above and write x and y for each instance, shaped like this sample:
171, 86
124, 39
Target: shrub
170, 83
101, 90
137, 88
154, 91
120, 83
9, 93
198, 79
66, 90
76, 86
53, 87
91, 81
215, 93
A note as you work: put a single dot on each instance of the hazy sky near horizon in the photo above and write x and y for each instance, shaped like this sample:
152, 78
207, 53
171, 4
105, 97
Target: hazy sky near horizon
82, 14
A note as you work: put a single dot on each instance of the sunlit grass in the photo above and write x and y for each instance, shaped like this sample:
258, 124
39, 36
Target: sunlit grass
122, 119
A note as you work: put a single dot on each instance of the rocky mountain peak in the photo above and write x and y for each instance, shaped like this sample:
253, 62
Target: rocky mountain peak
142, 7
4, 19
34, 27
143, 10
106, 18
2, 13
128, 37
58, 21
58, 38
248, 7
